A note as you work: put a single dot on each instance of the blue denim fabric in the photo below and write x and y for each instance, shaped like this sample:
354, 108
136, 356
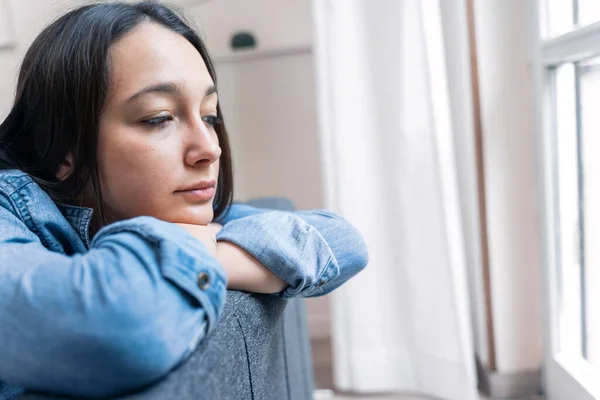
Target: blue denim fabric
100, 318
313, 251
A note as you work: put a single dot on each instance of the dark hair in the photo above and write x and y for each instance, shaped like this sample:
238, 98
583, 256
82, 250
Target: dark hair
61, 92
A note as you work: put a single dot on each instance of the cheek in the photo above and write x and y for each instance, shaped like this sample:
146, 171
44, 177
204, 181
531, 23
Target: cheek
134, 172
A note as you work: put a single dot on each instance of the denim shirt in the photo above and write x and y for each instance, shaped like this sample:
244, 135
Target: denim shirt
102, 317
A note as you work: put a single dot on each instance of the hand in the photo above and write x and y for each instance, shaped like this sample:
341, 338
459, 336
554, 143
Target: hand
207, 234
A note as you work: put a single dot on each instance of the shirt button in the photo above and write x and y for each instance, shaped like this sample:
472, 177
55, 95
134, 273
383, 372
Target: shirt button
203, 280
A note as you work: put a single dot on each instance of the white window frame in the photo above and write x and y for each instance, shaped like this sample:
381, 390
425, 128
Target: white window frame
567, 376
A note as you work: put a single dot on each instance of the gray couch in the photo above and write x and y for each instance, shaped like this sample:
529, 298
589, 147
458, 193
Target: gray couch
259, 350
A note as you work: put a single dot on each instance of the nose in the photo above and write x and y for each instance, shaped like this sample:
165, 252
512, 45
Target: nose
202, 144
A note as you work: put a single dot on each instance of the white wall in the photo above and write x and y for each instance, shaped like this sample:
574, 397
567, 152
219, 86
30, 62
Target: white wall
28, 18
504, 55
6, 26
270, 110
276, 24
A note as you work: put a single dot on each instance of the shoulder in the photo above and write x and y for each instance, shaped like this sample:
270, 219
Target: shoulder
11, 180
27, 211
23, 197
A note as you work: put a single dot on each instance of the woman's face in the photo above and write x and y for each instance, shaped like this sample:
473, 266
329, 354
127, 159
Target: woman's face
158, 152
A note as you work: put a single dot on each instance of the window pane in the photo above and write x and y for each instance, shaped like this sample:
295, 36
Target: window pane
589, 93
561, 16
588, 12
578, 213
569, 255
557, 17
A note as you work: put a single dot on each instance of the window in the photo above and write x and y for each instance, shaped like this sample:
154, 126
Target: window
570, 54
562, 16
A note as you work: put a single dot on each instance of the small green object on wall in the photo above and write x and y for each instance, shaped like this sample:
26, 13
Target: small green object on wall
243, 40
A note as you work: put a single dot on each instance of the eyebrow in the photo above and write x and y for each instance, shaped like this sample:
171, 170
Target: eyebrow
168, 88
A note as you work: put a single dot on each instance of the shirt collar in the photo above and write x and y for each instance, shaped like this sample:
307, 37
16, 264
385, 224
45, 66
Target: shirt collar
79, 218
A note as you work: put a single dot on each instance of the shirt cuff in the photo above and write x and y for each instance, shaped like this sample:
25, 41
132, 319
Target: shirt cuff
289, 247
184, 260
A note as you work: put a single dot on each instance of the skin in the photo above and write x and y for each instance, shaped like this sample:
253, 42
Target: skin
156, 143
157, 138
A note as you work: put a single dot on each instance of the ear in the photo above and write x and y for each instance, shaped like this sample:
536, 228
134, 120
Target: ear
65, 168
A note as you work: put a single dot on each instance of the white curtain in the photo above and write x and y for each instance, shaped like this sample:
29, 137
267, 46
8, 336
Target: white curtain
388, 151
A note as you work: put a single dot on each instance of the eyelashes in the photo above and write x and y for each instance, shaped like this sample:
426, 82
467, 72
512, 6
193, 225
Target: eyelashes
162, 121
212, 120
157, 122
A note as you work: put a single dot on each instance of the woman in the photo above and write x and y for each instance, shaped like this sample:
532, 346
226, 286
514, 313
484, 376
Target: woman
114, 163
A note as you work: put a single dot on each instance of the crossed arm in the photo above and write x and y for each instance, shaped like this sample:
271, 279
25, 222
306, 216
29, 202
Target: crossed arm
130, 309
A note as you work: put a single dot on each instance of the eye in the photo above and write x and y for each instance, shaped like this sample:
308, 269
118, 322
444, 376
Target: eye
212, 120
158, 122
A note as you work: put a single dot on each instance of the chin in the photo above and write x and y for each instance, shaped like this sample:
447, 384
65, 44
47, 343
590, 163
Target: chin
196, 217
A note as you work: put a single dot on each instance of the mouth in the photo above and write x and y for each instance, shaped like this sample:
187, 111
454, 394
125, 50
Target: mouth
199, 192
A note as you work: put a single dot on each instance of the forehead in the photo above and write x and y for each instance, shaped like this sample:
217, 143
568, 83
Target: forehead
150, 54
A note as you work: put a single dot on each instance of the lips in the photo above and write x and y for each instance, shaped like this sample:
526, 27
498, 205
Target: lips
203, 185
199, 192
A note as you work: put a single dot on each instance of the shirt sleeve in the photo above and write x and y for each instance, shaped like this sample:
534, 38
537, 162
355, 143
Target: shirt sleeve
314, 252
108, 321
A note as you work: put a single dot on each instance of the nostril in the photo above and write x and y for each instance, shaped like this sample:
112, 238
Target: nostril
204, 161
